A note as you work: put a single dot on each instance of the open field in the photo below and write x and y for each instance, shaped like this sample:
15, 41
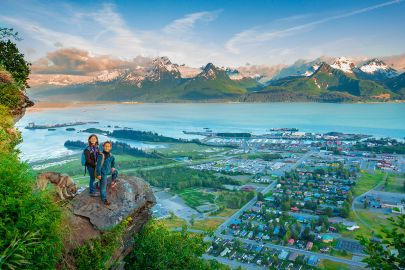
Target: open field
375, 220
196, 197
330, 265
395, 183
207, 224
192, 150
368, 181
174, 222
226, 212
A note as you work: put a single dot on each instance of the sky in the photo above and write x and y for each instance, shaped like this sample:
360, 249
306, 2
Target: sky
227, 33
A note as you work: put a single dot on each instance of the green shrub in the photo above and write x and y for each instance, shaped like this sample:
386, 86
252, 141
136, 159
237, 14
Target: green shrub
10, 95
29, 220
158, 248
96, 254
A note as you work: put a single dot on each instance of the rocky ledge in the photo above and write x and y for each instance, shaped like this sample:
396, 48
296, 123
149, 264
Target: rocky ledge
19, 111
88, 217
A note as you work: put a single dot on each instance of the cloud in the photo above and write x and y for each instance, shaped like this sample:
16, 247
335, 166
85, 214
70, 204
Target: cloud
185, 24
255, 36
77, 62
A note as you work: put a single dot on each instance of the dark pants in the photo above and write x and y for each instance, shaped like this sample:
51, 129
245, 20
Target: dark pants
103, 184
92, 187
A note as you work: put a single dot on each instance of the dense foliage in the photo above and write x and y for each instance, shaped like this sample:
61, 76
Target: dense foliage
30, 222
157, 248
97, 253
30, 235
11, 59
10, 94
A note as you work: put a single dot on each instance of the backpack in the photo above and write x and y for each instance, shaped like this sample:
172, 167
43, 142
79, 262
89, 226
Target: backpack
83, 159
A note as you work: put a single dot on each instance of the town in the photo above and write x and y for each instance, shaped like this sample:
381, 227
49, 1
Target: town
305, 213
284, 199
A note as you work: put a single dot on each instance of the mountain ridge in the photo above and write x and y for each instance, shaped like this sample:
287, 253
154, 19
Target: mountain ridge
331, 80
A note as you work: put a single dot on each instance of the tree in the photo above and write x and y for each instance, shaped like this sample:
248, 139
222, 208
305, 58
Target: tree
156, 247
345, 210
11, 58
328, 211
388, 254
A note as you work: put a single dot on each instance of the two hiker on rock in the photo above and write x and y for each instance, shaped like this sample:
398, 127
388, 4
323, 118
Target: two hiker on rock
99, 165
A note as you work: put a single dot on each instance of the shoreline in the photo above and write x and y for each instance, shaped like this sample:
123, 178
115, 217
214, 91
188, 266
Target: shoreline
54, 105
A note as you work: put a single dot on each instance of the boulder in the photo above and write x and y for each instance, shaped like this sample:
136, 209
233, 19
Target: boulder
128, 197
88, 217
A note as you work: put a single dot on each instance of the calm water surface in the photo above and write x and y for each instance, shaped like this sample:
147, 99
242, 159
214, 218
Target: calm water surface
380, 120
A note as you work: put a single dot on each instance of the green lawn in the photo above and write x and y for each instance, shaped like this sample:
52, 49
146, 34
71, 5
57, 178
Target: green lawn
367, 181
226, 212
195, 151
331, 265
208, 224
374, 220
395, 183
174, 222
195, 197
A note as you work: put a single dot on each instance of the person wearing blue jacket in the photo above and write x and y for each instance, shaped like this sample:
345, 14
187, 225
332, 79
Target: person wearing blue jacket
105, 167
91, 154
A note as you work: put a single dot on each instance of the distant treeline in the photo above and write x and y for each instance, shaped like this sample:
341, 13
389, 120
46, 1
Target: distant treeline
119, 148
141, 136
95, 131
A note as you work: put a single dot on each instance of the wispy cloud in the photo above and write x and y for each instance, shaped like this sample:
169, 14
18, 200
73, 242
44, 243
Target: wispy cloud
255, 36
107, 33
185, 24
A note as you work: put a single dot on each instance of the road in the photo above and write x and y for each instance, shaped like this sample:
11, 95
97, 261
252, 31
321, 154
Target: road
357, 201
234, 263
218, 231
301, 251
249, 204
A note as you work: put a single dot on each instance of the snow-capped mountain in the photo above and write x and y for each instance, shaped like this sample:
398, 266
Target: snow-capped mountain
377, 67
162, 67
236, 75
344, 64
302, 67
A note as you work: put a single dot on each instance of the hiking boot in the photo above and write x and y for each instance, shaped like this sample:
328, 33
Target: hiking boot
95, 194
107, 202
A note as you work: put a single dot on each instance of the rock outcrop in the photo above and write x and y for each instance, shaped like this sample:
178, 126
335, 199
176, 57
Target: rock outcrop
88, 217
19, 111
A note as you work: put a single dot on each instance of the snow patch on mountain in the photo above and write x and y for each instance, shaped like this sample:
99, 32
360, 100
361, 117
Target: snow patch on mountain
344, 64
374, 66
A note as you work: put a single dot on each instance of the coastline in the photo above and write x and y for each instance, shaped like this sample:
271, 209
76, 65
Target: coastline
54, 105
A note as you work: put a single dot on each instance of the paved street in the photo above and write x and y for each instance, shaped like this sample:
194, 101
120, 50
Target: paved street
224, 225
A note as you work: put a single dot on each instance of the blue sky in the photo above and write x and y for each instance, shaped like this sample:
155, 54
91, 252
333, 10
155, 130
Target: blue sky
229, 33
